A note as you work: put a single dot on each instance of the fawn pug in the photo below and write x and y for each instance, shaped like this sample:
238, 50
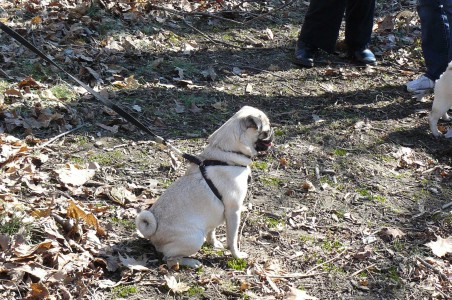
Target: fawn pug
206, 196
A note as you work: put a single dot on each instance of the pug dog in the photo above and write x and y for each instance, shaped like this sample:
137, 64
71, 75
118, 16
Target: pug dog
442, 101
208, 194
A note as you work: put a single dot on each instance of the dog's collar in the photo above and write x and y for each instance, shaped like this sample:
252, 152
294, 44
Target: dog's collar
202, 164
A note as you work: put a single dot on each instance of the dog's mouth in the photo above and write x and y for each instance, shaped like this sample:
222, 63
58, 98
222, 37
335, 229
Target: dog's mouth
263, 145
265, 142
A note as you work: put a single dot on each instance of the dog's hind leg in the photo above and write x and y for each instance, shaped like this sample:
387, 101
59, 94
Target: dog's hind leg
178, 250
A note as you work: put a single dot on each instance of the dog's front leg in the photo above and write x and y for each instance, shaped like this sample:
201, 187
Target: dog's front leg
232, 232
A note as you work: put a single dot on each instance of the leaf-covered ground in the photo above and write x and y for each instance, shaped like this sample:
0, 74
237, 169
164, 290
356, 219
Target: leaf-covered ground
353, 201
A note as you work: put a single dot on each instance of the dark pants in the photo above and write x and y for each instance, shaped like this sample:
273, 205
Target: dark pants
323, 21
436, 18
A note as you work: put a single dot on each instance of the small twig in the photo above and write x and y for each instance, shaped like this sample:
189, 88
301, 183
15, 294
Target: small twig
57, 137
361, 270
447, 205
443, 277
328, 261
297, 275
208, 37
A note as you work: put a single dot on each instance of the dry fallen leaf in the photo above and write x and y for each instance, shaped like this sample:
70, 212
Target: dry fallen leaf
74, 175
441, 247
308, 186
133, 264
38, 291
176, 287
391, 233
76, 212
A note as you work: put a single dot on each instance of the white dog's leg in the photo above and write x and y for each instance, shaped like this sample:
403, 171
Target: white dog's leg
178, 250
212, 240
232, 231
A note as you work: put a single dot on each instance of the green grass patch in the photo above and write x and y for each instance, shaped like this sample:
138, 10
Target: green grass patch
3, 86
369, 195
123, 291
11, 226
278, 132
340, 152
330, 267
196, 291
393, 274
107, 158
238, 264
260, 165
273, 222
331, 245
128, 224
270, 181
209, 250
63, 92
306, 238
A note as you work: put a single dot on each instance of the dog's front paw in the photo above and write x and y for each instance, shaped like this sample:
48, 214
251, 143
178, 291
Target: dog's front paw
191, 262
240, 254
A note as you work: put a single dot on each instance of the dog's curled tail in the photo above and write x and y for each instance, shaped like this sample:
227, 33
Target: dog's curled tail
146, 223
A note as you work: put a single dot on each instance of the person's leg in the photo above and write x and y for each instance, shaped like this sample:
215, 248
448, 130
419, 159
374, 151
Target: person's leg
321, 24
436, 18
359, 20
436, 35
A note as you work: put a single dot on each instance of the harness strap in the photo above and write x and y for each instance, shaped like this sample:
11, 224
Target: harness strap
203, 164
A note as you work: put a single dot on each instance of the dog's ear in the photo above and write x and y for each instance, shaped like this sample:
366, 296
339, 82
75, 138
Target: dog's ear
252, 122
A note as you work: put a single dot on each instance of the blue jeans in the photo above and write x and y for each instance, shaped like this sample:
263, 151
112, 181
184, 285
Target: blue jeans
436, 18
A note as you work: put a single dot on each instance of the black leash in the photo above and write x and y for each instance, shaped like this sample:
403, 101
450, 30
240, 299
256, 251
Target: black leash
202, 164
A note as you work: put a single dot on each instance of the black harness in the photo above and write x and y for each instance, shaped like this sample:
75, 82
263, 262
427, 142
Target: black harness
203, 164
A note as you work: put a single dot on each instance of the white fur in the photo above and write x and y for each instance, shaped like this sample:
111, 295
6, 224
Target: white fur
188, 212
442, 101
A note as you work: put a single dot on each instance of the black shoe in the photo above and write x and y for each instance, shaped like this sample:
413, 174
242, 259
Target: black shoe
364, 56
304, 55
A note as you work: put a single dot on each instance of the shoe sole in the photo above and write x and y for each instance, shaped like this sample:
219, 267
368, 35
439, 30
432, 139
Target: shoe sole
303, 64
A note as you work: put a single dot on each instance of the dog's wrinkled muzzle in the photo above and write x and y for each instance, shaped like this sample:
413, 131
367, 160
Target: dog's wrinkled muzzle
265, 143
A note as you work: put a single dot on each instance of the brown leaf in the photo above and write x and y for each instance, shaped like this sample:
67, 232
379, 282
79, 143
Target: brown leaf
36, 20
76, 212
391, 233
24, 250
13, 93
4, 242
308, 186
38, 291
29, 82
363, 253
